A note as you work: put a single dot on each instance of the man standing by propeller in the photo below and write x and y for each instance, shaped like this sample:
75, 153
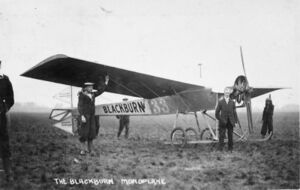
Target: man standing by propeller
6, 102
86, 107
227, 117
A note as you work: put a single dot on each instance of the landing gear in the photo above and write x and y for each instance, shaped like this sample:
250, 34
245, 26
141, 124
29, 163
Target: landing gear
181, 136
206, 135
191, 134
178, 137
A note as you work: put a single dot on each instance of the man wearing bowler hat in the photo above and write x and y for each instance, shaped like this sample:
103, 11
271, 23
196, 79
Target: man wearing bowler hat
89, 123
6, 102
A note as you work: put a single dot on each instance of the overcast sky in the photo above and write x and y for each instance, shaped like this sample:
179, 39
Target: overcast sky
166, 38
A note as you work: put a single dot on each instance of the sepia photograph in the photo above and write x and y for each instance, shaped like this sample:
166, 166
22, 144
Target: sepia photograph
149, 94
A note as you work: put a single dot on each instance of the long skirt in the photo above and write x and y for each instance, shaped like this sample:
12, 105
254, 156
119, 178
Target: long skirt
267, 127
88, 130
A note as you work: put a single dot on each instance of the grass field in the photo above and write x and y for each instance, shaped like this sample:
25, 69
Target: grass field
42, 153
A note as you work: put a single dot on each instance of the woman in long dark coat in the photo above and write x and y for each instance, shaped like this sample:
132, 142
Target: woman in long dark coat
89, 123
267, 118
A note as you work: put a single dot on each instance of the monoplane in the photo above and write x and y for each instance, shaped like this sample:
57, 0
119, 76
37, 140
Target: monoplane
155, 96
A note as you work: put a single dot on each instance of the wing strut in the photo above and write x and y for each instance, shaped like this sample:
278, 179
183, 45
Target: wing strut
152, 91
181, 98
125, 88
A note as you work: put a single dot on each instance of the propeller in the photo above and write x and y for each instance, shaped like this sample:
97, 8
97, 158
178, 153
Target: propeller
247, 99
242, 59
242, 93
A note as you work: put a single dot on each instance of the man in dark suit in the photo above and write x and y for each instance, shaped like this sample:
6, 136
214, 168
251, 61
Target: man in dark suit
6, 102
227, 117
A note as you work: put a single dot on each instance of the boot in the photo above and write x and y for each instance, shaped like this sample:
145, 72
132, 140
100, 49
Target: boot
83, 148
91, 148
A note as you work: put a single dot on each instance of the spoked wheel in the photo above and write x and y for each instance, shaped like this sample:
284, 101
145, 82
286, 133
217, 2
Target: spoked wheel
191, 134
178, 137
206, 135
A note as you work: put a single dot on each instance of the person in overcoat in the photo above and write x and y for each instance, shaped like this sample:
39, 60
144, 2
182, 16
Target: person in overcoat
6, 102
89, 123
267, 118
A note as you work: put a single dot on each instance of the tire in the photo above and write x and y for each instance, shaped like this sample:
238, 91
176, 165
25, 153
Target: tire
191, 134
178, 137
206, 135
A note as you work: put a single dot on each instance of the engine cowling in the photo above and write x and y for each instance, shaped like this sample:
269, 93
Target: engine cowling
241, 88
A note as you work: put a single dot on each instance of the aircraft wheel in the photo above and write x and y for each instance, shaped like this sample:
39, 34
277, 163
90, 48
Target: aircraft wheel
191, 134
206, 135
178, 137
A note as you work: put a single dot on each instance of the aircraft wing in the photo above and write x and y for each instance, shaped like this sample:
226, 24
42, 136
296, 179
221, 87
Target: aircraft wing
260, 91
75, 72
